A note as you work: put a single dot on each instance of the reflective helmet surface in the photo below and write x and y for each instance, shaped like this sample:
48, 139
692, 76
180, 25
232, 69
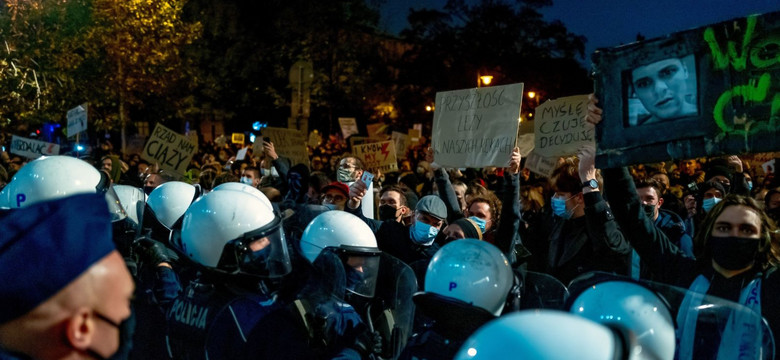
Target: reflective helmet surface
49, 178
352, 240
55, 177
336, 229
236, 186
170, 200
541, 334
472, 271
219, 230
131, 197
632, 307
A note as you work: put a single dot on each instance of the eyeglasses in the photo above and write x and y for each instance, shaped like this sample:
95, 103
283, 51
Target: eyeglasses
334, 198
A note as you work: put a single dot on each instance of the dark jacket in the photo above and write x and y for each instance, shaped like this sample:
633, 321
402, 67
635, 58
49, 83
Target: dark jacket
670, 264
589, 243
506, 235
395, 239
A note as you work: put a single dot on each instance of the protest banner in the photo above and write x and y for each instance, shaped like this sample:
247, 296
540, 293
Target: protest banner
720, 97
348, 126
414, 136
77, 120
378, 156
377, 131
288, 143
560, 128
237, 138
525, 143
476, 127
31, 148
357, 140
401, 143
241, 154
171, 150
541, 165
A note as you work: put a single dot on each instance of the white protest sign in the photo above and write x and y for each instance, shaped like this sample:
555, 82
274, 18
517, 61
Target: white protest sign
77, 120
171, 150
476, 127
31, 148
288, 143
541, 165
241, 154
560, 126
348, 126
526, 143
377, 156
401, 142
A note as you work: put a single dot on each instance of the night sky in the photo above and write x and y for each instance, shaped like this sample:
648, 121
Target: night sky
608, 23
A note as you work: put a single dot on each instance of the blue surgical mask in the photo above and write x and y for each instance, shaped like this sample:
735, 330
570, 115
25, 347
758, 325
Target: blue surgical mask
750, 185
330, 206
708, 204
246, 180
423, 233
480, 222
559, 207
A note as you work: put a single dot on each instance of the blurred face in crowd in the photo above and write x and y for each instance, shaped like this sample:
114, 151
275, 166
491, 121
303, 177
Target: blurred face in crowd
335, 197
736, 221
661, 87
663, 179
713, 193
348, 166
393, 198
481, 210
107, 164
649, 196
153, 181
428, 219
722, 180
251, 175
453, 232
688, 167
773, 202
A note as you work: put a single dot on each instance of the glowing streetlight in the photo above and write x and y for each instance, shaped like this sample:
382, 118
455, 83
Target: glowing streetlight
486, 79
428, 108
531, 94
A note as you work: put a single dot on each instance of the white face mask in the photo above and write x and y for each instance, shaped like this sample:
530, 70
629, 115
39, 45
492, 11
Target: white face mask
344, 175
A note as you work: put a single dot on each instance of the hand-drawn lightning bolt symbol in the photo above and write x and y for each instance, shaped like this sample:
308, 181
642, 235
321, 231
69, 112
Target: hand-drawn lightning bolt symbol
384, 150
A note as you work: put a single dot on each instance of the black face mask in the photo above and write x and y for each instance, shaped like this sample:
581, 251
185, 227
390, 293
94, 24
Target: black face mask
732, 252
649, 210
387, 213
148, 190
126, 329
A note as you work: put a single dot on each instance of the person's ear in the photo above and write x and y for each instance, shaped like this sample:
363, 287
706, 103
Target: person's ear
359, 174
80, 329
660, 201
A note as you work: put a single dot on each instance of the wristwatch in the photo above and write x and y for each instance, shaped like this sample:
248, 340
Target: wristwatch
592, 183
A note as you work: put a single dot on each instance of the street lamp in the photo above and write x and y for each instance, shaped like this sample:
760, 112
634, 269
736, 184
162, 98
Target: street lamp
484, 80
531, 94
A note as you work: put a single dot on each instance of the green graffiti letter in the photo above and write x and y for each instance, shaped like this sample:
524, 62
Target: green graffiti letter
721, 59
748, 92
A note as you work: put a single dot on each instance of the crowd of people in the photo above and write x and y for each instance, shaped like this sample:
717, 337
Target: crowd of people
264, 258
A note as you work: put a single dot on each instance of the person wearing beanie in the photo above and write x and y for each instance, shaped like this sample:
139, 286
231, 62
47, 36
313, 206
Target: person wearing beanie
66, 290
463, 228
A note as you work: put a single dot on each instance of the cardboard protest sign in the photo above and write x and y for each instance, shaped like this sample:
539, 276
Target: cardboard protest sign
377, 131
703, 92
288, 143
357, 140
241, 154
414, 136
476, 127
31, 148
526, 143
348, 127
77, 120
171, 150
541, 165
401, 142
560, 127
378, 156
237, 138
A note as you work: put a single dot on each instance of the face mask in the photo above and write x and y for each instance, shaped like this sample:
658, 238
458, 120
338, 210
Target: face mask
330, 206
649, 210
344, 175
559, 207
480, 222
266, 172
148, 190
733, 253
246, 180
423, 233
387, 213
125, 328
750, 185
708, 204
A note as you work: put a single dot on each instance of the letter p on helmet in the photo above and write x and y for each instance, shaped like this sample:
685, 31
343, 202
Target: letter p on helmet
453, 285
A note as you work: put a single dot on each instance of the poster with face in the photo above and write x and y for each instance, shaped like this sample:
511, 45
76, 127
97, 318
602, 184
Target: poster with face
709, 91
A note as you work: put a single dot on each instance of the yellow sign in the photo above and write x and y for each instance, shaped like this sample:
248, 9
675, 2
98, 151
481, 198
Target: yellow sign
237, 138
172, 151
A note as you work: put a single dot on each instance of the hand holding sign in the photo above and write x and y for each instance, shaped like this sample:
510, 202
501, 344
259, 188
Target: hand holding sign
514, 161
356, 192
594, 112
587, 168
